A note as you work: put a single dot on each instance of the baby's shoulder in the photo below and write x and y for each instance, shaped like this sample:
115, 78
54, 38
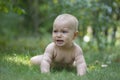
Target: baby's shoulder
77, 47
50, 46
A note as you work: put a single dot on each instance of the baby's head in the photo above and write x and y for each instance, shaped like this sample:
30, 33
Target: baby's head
65, 29
68, 20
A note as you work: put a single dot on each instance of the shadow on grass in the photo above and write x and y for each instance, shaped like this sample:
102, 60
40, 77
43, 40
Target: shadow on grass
64, 69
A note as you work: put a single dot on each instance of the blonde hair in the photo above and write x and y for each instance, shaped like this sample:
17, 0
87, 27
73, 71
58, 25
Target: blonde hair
67, 18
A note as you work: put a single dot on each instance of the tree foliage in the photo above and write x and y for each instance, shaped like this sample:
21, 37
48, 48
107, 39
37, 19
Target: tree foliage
37, 16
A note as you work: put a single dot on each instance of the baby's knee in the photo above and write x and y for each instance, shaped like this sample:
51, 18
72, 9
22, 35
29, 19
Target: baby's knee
74, 64
32, 60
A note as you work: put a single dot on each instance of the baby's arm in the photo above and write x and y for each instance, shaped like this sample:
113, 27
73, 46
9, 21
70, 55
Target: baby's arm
80, 62
47, 59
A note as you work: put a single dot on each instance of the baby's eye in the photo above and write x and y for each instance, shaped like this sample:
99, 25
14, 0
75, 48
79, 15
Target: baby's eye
64, 31
55, 31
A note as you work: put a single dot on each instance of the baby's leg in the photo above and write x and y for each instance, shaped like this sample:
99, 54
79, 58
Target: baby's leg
36, 59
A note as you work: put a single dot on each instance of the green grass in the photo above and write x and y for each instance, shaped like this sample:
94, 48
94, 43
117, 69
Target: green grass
15, 65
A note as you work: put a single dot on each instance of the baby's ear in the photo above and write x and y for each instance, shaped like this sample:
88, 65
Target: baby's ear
75, 34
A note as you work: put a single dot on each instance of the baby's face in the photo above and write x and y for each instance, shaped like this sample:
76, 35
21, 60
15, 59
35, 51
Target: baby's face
63, 34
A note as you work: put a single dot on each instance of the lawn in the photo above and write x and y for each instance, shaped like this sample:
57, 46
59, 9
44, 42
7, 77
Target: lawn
15, 65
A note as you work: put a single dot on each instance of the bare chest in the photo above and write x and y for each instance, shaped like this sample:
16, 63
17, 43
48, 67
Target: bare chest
64, 57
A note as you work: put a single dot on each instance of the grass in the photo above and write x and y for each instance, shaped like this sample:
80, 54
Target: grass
15, 65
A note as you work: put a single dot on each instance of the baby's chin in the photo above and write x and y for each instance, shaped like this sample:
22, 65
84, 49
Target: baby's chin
60, 45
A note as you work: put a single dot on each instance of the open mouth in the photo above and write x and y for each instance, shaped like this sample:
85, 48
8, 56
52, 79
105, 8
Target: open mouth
59, 41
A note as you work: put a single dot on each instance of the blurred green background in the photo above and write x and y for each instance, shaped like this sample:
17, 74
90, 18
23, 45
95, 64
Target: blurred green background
26, 27
99, 21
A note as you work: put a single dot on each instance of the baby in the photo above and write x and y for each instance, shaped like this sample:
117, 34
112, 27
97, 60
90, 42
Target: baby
62, 51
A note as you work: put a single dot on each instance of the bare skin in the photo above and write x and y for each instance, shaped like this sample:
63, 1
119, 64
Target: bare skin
62, 50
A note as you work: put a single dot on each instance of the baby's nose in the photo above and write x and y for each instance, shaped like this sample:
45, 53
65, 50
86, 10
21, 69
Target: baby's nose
59, 35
